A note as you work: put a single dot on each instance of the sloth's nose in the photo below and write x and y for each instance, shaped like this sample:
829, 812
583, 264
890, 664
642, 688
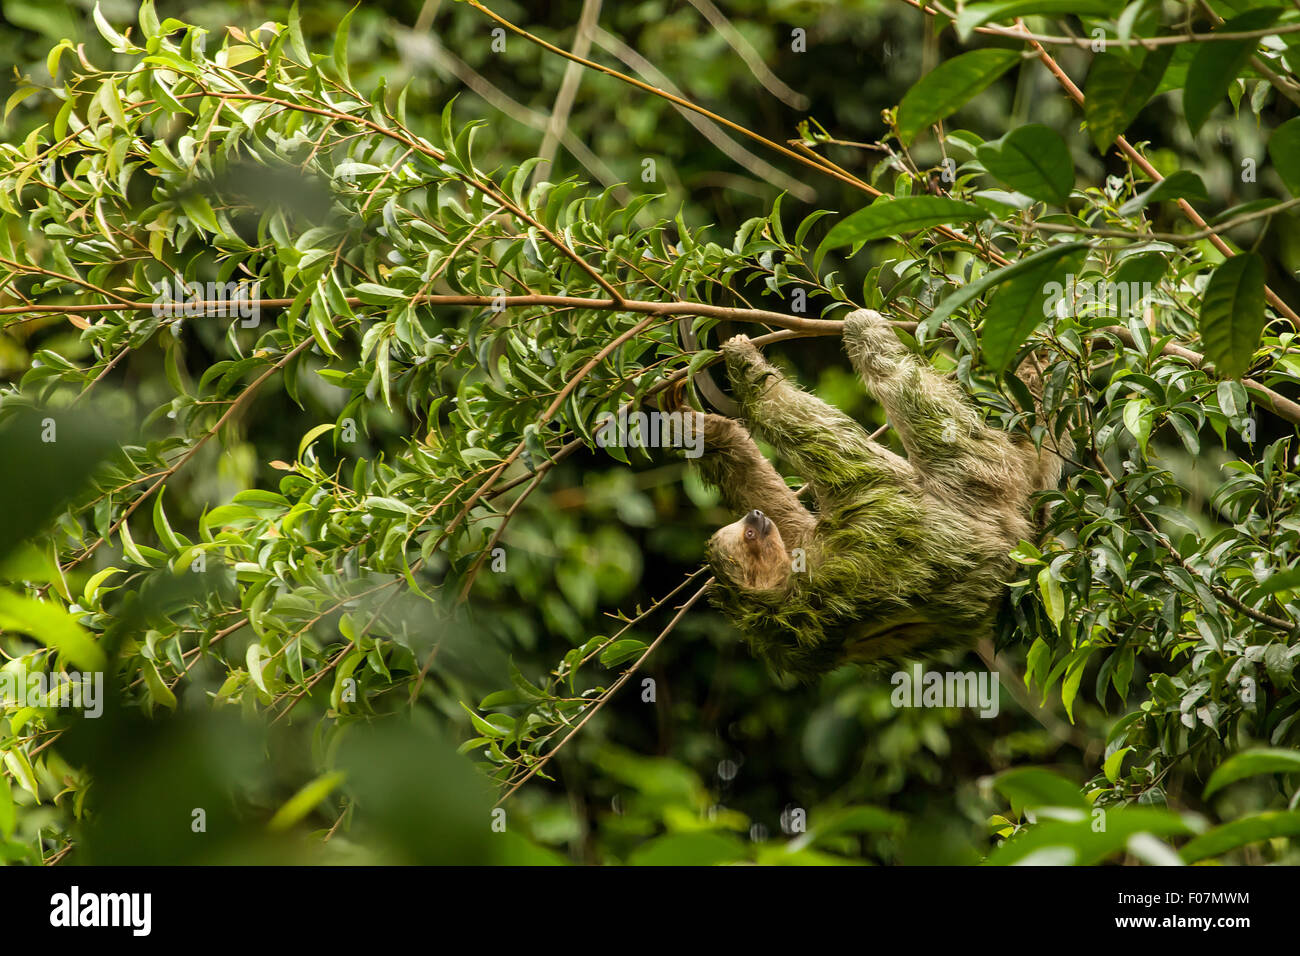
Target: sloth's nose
756, 513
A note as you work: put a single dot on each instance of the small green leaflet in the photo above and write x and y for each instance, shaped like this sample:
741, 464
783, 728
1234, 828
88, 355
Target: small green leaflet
890, 218
973, 290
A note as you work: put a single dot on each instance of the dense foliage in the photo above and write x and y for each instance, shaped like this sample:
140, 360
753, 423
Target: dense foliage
334, 505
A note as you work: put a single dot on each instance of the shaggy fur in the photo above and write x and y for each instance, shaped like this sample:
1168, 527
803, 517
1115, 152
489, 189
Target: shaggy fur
903, 555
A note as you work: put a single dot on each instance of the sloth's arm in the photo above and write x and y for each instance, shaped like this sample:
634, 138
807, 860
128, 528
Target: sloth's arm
825, 445
732, 463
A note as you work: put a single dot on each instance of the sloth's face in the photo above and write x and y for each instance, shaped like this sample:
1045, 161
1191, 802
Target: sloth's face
749, 553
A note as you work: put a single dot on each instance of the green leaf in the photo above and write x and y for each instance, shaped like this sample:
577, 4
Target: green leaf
1143, 271
296, 42
148, 19
1183, 184
1286, 581
973, 290
1033, 160
621, 651
388, 507
199, 211
482, 726
1217, 64
168, 100
1053, 597
515, 850
859, 819
1070, 685
341, 47
1232, 398
890, 218
377, 294
7, 817
52, 626
115, 39
162, 526
1250, 763
1028, 788
977, 14
158, 689
1137, 419
21, 769
21, 94
1251, 829
947, 87
1021, 306
52, 58
253, 658
312, 435
1284, 151
1061, 841
1113, 763
305, 800
1116, 91
112, 104
701, 848
131, 549
1232, 314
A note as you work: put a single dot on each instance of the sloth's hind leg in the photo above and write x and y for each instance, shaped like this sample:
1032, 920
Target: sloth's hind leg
943, 434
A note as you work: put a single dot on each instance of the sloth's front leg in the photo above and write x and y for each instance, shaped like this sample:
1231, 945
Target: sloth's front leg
733, 464
826, 446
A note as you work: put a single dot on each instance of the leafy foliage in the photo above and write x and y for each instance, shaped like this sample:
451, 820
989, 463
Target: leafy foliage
423, 337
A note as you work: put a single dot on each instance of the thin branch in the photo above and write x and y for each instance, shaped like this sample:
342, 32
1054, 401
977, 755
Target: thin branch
608, 695
512, 108
1283, 84
792, 326
1173, 237
496, 535
1087, 43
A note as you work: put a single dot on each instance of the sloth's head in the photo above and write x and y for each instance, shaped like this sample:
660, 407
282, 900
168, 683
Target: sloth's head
749, 553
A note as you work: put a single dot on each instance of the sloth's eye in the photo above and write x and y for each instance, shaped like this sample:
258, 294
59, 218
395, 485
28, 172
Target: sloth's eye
749, 533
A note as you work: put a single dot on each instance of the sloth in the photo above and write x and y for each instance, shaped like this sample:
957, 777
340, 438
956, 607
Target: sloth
902, 555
